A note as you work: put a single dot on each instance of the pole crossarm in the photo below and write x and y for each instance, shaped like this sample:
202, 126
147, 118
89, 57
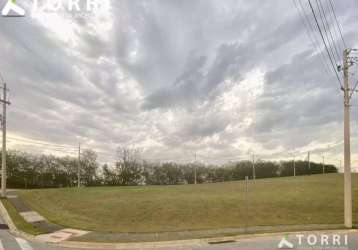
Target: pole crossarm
5, 102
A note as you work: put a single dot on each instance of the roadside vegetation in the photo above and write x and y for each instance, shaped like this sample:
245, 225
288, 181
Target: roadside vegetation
315, 199
46, 171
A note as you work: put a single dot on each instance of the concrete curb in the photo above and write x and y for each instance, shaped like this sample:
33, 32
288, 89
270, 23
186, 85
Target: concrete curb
150, 245
181, 243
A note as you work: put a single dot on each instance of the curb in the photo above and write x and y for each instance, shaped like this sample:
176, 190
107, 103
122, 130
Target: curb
150, 245
181, 243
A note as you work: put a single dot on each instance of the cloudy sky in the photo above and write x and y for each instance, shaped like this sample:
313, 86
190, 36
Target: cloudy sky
222, 78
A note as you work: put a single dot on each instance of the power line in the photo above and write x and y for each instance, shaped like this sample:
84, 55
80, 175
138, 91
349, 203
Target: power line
338, 23
223, 158
39, 143
354, 89
72, 151
58, 150
355, 71
311, 35
336, 33
46, 146
322, 17
324, 42
1, 78
325, 23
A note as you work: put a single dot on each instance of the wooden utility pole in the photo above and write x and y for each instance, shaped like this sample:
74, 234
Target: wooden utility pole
294, 166
309, 163
347, 145
247, 202
323, 170
195, 170
79, 166
3, 122
253, 167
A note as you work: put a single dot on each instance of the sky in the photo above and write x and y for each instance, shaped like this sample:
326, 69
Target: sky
220, 78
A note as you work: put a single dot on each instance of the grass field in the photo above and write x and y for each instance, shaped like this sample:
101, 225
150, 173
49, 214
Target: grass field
279, 201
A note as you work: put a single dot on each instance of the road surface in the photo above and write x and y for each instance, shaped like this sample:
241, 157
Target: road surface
9, 242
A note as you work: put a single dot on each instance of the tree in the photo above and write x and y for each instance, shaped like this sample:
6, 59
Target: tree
47, 171
89, 167
109, 176
128, 168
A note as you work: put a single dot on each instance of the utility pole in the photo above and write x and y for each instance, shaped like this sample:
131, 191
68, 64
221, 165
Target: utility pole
3, 172
323, 164
309, 163
247, 202
347, 146
253, 167
79, 166
195, 170
294, 166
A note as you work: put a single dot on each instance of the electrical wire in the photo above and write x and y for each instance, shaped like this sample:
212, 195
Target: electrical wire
330, 47
311, 35
2, 78
353, 90
335, 29
72, 151
325, 23
39, 143
338, 24
325, 44
59, 150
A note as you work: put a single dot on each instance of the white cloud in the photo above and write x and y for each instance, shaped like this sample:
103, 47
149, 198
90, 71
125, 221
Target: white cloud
220, 78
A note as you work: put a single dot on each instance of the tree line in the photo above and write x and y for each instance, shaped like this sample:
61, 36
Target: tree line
47, 171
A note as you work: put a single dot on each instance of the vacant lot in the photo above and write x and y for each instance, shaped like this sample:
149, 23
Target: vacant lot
280, 201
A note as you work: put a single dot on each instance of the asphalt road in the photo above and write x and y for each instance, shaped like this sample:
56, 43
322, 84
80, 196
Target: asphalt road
331, 241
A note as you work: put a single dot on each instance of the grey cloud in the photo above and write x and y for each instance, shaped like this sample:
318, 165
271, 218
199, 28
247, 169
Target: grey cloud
29, 44
230, 59
297, 96
173, 57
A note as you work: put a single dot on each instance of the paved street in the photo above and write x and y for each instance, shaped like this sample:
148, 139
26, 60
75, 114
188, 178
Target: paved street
9, 242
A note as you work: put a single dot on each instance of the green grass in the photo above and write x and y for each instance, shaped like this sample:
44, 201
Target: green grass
279, 201
19, 222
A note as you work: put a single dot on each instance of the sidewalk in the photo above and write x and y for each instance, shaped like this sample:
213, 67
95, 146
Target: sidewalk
30, 216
